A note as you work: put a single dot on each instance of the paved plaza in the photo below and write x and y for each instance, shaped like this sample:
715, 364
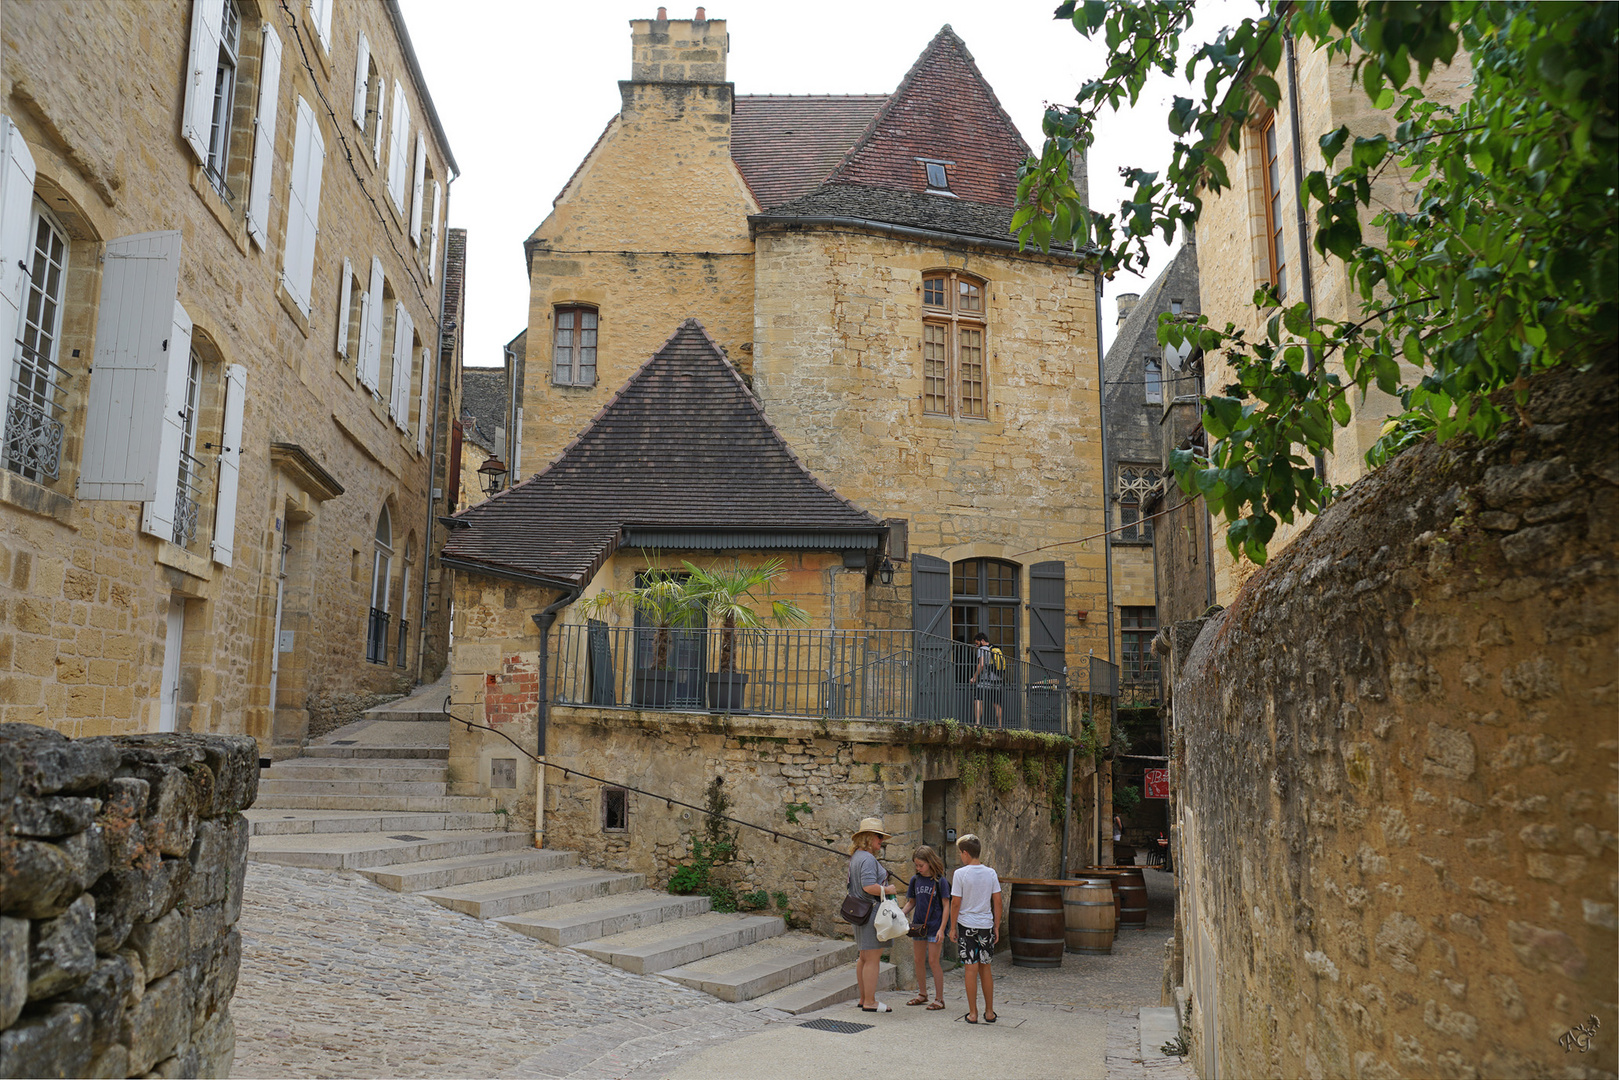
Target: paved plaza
341, 977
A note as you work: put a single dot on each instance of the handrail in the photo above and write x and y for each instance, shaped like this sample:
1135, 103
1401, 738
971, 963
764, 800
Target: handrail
667, 800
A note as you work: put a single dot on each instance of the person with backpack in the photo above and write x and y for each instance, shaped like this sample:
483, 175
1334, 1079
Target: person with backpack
988, 677
927, 898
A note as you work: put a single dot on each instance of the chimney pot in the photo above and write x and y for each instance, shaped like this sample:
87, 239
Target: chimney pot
700, 15
1127, 303
663, 14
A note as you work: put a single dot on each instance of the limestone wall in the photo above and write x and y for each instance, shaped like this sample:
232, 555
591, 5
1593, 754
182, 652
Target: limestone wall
1396, 754
121, 869
806, 778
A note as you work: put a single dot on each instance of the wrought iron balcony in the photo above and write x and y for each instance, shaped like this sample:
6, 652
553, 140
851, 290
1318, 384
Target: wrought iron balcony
897, 675
401, 647
188, 499
376, 638
36, 411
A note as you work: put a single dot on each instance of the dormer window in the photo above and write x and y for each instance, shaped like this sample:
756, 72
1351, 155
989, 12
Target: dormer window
938, 176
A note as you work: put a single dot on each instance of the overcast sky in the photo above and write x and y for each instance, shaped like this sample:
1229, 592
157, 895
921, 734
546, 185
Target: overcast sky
524, 87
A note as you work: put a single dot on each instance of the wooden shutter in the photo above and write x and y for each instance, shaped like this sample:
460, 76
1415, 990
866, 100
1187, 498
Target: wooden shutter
16, 213
230, 464
202, 67
416, 191
362, 68
134, 325
930, 619
423, 415
303, 207
258, 198
403, 358
320, 13
432, 254
343, 308
157, 516
376, 136
1048, 630
398, 160
371, 329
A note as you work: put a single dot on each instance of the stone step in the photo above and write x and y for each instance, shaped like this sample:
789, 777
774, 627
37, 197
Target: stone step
755, 970
290, 822
389, 770
418, 714
425, 753
466, 804
466, 869
824, 990
353, 787
525, 892
357, 851
569, 924
684, 941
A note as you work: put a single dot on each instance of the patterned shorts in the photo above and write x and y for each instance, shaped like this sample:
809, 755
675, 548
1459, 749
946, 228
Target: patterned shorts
976, 946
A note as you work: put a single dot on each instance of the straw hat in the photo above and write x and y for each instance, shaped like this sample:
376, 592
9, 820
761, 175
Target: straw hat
873, 825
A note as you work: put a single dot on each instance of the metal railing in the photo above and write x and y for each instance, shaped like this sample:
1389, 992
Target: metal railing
376, 638
35, 415
188, 499
895, 675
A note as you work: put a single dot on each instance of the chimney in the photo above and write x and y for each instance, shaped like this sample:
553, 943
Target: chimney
1127, 304
689, 52
699, 17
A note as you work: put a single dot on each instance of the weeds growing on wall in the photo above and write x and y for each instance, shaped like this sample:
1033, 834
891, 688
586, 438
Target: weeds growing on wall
1002, 773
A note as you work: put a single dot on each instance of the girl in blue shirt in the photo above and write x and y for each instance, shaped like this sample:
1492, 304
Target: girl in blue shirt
927, 900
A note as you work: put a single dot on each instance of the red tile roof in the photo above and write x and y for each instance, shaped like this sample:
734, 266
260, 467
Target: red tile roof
943, 110
683, 447
786, 146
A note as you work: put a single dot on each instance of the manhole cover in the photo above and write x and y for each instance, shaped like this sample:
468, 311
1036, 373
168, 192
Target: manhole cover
344, 742
842, 1027
407, 836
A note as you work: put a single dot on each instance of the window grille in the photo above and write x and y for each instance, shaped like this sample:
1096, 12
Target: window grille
188, 492
35, 409
1134, 484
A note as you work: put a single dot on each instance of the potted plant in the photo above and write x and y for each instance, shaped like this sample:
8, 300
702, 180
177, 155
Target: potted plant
728, 596
662, 598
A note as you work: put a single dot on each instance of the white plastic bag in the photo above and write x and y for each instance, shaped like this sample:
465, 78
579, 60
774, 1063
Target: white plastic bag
891, 921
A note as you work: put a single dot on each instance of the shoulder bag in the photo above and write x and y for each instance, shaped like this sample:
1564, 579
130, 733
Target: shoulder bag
856, 908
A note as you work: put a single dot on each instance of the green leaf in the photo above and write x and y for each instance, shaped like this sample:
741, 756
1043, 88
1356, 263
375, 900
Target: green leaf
1332, 142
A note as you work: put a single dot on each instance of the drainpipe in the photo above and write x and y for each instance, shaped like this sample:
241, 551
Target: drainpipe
1306, 284
542, 712
432, 447
1107, 554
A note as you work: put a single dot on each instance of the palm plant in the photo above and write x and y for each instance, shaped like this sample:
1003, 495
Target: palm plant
728, 596
662, 597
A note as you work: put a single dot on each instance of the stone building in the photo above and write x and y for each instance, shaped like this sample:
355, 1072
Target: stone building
843, 266
223, 228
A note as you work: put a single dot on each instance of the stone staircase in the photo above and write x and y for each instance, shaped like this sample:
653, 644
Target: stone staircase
374, 798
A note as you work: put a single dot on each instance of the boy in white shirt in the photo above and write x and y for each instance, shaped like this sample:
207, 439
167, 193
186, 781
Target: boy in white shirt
975, 920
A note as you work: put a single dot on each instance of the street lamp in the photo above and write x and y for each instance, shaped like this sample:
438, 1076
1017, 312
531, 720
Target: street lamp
493, 471
885, 572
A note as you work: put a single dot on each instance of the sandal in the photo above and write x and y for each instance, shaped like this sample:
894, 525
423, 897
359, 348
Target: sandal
934, 1006
971, 1019
920, 999
990, 1017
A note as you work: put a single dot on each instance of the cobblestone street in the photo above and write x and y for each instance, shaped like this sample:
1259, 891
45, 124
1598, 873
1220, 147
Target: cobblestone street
343, 978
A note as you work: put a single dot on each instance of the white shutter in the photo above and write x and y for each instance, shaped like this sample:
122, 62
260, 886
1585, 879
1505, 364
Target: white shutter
376, 136
343, 308
158, 515
202, 65
258, 198
230, 464
303, 207
362, 67
134, 326
423, 415
320, 13
16, 211
371, 329
416, 191
398, 154
432, 257
399, 396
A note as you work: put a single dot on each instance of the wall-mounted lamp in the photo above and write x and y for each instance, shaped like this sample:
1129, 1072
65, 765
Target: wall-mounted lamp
885, 572
493, 472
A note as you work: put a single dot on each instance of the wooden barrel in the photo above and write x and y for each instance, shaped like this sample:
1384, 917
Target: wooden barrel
1089, 911
1036, 923
1111, 875
1132, 899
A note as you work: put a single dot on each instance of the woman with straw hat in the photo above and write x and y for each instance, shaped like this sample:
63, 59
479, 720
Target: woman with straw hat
867, 877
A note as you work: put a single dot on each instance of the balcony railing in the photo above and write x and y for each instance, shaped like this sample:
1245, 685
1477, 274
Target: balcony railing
401, 649
35, 412
188, 499
895, 675
376, 638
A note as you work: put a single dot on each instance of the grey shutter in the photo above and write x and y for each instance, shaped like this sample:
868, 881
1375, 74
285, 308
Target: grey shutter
258, 192
1048, 632
423, 413
930, 621
371, 329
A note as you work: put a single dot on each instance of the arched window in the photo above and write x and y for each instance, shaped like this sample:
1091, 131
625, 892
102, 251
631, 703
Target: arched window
985, 599
376, 640
954, 377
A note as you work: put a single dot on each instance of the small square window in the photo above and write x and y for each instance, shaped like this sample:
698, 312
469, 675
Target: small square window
1175, 306
615, 809
936, 176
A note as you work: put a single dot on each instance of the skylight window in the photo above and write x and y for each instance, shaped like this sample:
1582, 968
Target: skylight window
937, 179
